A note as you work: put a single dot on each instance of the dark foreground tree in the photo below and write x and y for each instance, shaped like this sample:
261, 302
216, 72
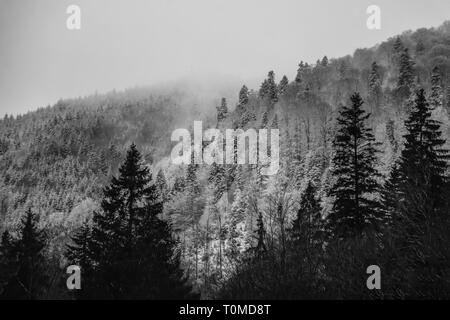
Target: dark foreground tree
356, 206
423, 165
306, 227
7, 260
26, 261
130, 253
421, 215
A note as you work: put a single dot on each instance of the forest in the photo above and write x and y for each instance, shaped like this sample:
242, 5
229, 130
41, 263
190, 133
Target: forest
363, 180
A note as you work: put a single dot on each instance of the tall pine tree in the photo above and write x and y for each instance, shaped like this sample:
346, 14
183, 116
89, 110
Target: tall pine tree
356, 206
423, 165
243, 96
29, 279
131, 250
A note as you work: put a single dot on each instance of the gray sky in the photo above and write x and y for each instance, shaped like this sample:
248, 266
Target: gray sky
123, 43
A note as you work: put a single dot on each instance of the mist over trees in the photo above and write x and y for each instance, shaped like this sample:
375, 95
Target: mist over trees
363, 180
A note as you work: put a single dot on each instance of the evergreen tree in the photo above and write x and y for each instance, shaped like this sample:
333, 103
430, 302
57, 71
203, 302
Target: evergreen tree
131, 249
406, 75
306, 225
217, 178
7, 260
300, 71
423, 165
161, 185
243, 96
283, 85
375, 92
398, 45
264, 89
79, 253
390, 135
421, 221
272, 87
29, 279
6, 244
268, 88
222, 110
356, 206
324, 61
436, 95
265, 119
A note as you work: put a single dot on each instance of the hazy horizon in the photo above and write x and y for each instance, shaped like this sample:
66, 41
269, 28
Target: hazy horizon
123, 44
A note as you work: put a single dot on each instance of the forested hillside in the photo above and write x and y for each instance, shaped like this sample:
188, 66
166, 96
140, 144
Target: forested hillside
363, 180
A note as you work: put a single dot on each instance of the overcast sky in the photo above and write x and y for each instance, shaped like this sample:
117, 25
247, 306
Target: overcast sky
123, 43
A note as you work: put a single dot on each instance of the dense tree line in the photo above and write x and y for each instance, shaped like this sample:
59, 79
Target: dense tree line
363, 180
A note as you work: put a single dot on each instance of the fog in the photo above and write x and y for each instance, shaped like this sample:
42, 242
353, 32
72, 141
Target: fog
124, 43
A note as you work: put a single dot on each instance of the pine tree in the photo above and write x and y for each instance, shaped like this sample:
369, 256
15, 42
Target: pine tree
264, 89
272, 87
268, 88
217, 178
390, 135
159, 273
8, 262
306, 225
421, 221
398, 45
406, 75
300, 71
423, 165
356, 207
283, 85
79, 253
131, 248
265, 119
436, 95
6, 244
324, 61
29, 280
243, 96
222, 110
375, 86
161, 185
